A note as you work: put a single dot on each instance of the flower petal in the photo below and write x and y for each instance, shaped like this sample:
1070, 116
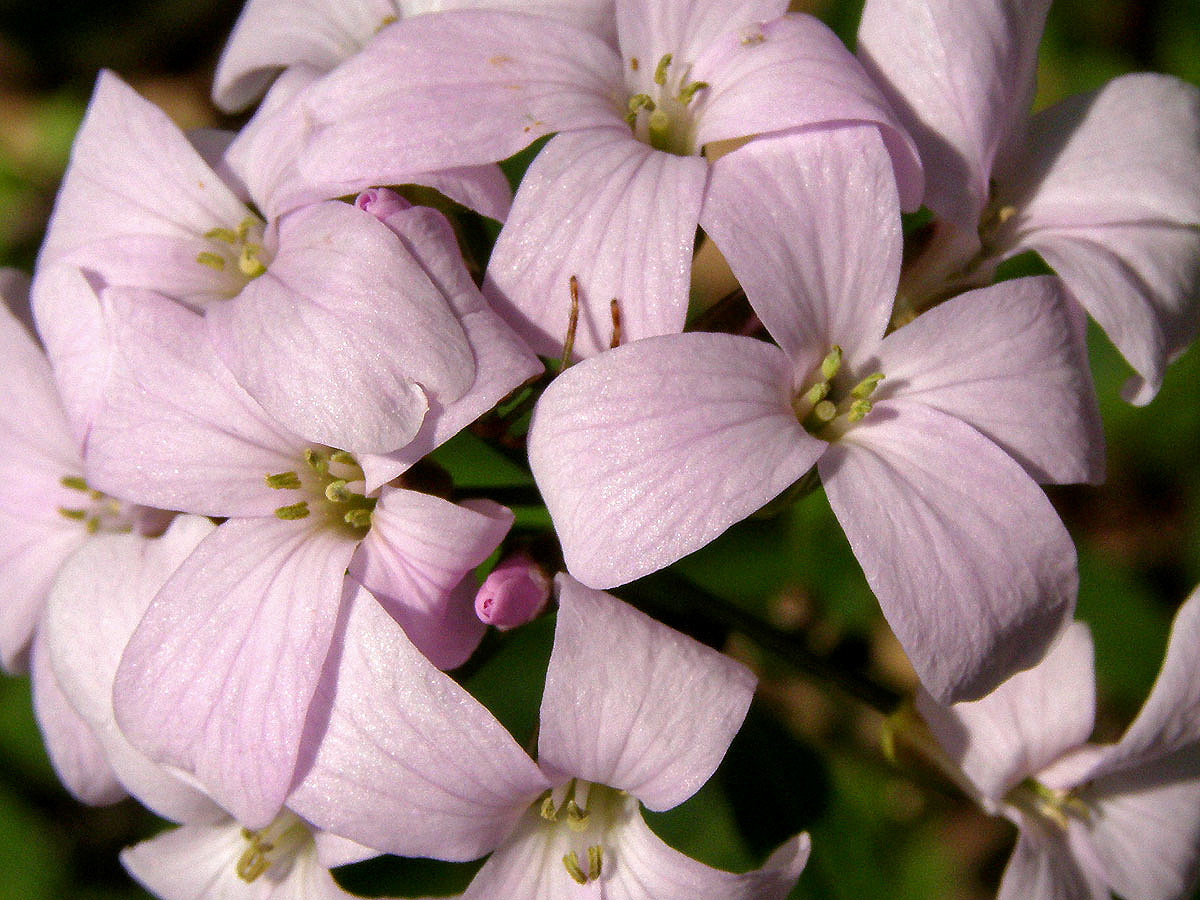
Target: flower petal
621, 217
218, 677
175, 430
418, 551
96, 604
644, 867
1043, 867
794, 72
1024, 724
971, 565
457, 89
344, 335
1011, 361
960, 74
633, 704
650, 451
75, 753
682, 28
404, 743
821, 266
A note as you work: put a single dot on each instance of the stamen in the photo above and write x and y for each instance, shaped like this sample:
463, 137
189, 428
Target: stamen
866, 387
74, 482
571, 862
225, 235
637, 103
248, 261
244, 227
337, 492
212, 260
316, 461
283, 481
77, 515
817, 393
295, 511
633, 63
688, 91
832, 362
572, 324
341, 456
660, 71
595, 858
858, 410
548, 812
616, 322
358, 518
253, 862
577, 819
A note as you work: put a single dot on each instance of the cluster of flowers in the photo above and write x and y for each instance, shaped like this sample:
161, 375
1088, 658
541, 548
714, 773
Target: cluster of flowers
228, 339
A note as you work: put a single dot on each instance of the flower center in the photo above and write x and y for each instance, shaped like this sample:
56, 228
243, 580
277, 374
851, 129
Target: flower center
237, 251
824, 407
95, 511
579, 814
333, 480
1051, 805
275, 845
661, 114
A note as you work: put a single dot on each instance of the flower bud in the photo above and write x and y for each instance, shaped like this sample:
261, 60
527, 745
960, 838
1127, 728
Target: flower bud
514, 593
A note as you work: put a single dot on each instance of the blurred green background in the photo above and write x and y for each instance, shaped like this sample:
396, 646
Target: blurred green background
808, 756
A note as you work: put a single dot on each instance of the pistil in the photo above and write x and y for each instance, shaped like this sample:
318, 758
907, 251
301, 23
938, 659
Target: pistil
819, 407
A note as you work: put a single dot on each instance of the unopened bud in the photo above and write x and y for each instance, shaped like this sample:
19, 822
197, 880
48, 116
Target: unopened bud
514, 593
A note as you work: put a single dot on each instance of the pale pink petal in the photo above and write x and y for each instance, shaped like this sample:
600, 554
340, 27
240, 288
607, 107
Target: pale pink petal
960, 75
1043, 867
502, 361
218, 677
14, 294
333, 851
1170, 718
684, 29
1024, 724
644, 867
175, 431
137, 200
1127, 153
649, 451
633, 704
971, 565
529, 866
97, 602
274, 34
405, 746
1139, 283
76, 755
1145, 826
344, 335
615, 213
1010, 360
31, 553
484, 189
810, 225
795, 72
418, 551
457, 89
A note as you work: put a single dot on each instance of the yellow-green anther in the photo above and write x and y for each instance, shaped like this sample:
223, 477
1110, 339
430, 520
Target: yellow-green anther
595, 858
225, 235
248, 261
244, 227
637, 103
358, 518
832, 362
77, 515
316, 461
283, 481
212, 260
866, 387
858, 409
337, 492
688, 91
577, 819
571, 862
548, 812
341, 456
74, 482
92, 526
254, 861
817, 393
825, 411
660, 71
659, 129
295, 511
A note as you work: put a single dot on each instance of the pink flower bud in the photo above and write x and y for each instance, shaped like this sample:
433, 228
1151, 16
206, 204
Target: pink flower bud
381, 203
513, 594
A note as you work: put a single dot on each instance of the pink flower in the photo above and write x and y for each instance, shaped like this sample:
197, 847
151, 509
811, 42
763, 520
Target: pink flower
631, 711
928, 440
1122, 817
1105, 185
615, 196
515, 592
